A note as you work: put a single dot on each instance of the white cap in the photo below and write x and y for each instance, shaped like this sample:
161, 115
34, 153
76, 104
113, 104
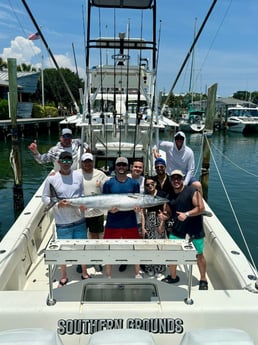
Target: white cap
121, 160
66, 131
177, 172
87, 156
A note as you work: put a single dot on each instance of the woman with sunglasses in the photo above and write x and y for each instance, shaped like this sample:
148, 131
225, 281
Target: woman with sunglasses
152, 227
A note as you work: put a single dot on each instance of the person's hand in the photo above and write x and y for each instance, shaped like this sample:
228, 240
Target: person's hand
33, 147
163, 216
114, 210
137, 209
83, 208
63, 203
181, 216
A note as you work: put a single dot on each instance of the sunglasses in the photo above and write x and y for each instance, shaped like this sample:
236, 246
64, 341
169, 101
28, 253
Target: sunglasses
176, 178
179, 138
121, 164
67, 136
67, 161
151, 184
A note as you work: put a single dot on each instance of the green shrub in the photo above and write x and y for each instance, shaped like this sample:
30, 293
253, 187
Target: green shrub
48, 111
4, 112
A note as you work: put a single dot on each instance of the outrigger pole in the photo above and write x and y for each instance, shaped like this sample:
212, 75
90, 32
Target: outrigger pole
190, 51
15, 161
50, 53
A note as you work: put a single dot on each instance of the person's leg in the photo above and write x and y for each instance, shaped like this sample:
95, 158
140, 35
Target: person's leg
63, 232
201, 263
111, 233
172, 278
95, 226
172, 271
80, 233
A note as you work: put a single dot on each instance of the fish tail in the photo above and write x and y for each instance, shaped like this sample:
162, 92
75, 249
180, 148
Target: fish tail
53, 198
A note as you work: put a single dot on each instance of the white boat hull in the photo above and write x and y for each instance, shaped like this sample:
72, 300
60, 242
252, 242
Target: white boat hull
24, 289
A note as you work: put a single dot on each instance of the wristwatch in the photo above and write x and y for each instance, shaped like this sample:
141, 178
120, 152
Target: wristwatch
187, 214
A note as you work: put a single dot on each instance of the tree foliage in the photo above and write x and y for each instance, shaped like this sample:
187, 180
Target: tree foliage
55, 91
4, 112
247, 96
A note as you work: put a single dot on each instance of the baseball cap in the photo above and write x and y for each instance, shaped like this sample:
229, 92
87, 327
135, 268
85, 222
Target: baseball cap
65, 154
87, 156
177, 172
121, 160
66, 131
160, 161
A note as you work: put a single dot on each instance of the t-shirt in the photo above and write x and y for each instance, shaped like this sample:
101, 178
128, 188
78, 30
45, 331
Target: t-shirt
121, 219
93, 184
66, 186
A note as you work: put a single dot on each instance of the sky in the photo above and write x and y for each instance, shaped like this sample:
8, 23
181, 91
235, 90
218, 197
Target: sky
226, 52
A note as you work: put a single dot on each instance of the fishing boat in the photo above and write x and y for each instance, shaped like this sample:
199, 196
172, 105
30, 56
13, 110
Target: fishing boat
242, 119
193, 122
132, 311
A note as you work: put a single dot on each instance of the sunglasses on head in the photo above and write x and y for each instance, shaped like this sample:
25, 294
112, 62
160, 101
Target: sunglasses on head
67, 161
121, 164
151, 184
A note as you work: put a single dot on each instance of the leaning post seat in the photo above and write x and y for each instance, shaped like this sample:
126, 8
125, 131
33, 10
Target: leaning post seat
216, 336
29, 336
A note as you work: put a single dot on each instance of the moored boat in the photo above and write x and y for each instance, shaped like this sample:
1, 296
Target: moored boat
242, 119
193, 122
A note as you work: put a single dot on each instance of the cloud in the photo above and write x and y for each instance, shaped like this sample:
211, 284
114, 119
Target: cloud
22, 50
29, 52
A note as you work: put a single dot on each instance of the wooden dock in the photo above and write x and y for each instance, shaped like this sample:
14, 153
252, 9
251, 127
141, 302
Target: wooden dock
29, 125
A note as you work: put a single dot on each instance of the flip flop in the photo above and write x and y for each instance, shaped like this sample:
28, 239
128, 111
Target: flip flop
62, 283
86, 277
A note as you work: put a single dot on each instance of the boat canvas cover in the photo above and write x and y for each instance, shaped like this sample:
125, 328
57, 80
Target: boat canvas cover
136, 4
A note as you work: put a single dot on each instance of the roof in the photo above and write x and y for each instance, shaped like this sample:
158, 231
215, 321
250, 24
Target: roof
136, 4
27, 81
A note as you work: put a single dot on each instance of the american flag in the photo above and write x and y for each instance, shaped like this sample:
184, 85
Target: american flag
34, 37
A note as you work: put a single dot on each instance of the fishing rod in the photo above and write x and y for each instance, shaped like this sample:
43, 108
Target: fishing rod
50, 53
190, 51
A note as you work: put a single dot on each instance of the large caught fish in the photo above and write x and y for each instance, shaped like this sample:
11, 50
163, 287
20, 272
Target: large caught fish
123, 202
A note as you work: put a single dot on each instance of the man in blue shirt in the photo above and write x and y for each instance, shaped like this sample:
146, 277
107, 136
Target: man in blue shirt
121, 224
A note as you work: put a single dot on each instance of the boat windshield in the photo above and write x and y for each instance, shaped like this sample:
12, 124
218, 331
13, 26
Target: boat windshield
247, 112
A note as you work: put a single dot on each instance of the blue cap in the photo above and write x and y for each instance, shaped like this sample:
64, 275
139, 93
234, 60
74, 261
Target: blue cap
160, 161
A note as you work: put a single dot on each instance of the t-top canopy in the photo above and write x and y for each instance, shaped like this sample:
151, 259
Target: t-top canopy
136, 4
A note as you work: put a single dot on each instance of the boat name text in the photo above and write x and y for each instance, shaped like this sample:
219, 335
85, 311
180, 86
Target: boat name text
90, 326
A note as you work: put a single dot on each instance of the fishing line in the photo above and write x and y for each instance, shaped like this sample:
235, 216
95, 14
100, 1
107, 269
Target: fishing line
236, 165
138, 115
233, 211
127, 69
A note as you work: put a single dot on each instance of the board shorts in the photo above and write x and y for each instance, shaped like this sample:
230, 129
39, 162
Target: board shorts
95, 224
72, 231
197, 242
121, 233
